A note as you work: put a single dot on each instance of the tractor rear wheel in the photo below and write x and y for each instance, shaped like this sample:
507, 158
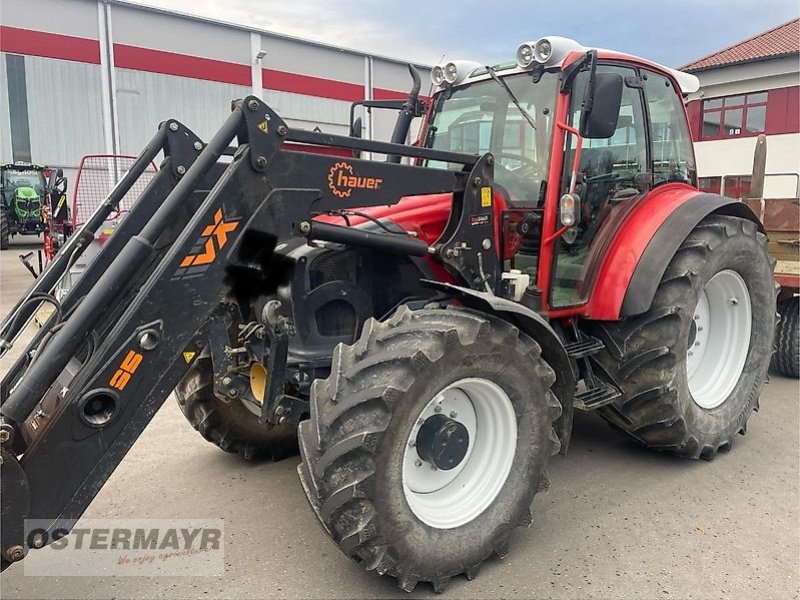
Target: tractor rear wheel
230, 425
692, 367
787, 352
3, 228
428, 441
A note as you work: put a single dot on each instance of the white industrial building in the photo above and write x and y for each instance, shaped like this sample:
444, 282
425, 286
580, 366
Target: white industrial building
747, 89
97, 76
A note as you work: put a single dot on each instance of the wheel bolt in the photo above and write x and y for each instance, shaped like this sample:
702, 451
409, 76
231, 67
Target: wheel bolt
453, 414
437, 409
734, 301
421, 421
699, 329
697, 317
691, 353
433, 468
697, 343
411, 444
418, 463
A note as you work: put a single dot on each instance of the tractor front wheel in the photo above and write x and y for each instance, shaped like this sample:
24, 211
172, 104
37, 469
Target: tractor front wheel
428, 441
691, 368
4, 234
229, 425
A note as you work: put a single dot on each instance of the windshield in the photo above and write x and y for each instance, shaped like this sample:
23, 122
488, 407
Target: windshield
29, 178
482, 117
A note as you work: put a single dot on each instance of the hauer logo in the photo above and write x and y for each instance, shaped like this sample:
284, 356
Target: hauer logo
342, 180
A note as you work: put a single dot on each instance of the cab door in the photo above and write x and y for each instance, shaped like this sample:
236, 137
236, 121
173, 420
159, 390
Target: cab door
613, 173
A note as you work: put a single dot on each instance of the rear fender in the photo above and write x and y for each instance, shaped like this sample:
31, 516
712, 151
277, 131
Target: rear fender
538, 328
645, 244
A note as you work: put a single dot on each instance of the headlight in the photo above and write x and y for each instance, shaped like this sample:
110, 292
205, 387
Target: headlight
453, 72
437, 75
450, 72
545, 51
524, 55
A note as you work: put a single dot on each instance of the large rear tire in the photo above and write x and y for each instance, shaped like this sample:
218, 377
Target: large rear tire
230, 425
3, 228
691, 368
368, 462
787, 345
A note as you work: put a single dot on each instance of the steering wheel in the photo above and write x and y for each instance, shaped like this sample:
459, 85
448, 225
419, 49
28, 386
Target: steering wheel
524, 159
517, 180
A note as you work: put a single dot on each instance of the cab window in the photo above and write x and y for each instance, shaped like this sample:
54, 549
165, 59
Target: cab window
673, 157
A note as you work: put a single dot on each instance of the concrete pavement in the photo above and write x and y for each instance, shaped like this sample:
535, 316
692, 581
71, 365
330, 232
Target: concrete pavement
618, 521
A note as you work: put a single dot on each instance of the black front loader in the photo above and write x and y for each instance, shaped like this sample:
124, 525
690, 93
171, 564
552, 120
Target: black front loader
125, 335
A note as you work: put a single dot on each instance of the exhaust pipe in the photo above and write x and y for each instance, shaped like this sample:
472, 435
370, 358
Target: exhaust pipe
407, 113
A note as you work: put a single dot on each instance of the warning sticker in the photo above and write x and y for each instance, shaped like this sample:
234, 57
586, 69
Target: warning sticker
486, 197
263, 126
188, 356
480, 220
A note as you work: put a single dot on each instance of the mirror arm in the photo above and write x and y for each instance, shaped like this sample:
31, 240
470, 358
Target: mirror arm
588, 94
571, 71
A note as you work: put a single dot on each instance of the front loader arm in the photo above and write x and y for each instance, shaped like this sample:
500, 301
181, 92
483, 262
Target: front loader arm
69, 415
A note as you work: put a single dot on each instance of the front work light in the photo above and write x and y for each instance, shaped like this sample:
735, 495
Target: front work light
437, 75
453, 72
545, 51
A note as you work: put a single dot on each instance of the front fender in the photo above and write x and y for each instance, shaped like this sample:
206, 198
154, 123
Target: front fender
645, 243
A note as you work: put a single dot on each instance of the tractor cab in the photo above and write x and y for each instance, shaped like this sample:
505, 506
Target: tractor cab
579, 138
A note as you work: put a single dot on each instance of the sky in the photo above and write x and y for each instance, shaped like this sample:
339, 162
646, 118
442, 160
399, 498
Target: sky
671, 32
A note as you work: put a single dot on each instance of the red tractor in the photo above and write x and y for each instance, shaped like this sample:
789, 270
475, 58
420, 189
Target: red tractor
430, 325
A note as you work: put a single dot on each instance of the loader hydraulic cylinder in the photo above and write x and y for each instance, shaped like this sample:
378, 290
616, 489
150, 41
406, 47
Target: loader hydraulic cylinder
399, 243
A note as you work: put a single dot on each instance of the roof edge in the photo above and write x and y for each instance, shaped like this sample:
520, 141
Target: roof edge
687, 66
285, 36
746, 61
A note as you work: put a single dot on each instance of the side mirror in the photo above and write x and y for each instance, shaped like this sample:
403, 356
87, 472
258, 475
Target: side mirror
355, 128
601, 106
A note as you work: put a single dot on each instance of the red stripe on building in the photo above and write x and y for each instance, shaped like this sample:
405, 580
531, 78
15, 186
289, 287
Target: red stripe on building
382, 94
65, 47
281, 81
181, 65
49, 45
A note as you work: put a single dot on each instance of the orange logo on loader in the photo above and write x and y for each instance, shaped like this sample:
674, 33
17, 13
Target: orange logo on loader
218, 231
128, 367
342, 180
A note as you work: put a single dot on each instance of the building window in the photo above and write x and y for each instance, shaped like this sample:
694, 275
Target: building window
710, 185
737, 186
745, 114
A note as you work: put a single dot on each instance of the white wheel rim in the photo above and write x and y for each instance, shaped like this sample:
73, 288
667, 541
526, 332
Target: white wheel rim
445, 499
722, 322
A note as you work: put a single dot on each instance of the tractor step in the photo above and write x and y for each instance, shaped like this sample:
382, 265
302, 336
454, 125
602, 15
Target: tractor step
594, 398
586, 346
